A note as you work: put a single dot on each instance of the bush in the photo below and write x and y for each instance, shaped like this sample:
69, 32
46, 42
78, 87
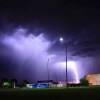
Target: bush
84, 82
6, 85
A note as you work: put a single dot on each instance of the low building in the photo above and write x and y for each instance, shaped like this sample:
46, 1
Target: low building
93, 79
45, 82
29, 85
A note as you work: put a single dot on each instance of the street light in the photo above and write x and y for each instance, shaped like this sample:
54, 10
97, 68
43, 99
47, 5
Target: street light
61, 39
48, 70
64, 41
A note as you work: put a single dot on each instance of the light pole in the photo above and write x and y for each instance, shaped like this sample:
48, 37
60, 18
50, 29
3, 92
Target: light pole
48, 70
62, 40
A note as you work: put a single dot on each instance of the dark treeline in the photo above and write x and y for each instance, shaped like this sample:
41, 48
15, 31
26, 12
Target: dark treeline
13, 83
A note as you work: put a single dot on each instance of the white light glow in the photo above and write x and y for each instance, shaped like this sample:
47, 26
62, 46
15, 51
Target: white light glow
61, 39
70, 64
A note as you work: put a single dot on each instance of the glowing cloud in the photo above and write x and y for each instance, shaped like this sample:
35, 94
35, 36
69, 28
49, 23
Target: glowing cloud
27, 45
32, 53
31, 49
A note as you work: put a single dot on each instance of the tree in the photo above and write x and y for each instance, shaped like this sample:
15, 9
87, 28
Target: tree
5, 83
84, 82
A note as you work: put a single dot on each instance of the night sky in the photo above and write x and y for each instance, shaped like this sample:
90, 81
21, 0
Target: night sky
30, 32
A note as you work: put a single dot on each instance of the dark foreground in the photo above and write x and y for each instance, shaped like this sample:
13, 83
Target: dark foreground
59, 94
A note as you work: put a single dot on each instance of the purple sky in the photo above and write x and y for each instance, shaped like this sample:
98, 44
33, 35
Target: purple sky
29, 55
30, 32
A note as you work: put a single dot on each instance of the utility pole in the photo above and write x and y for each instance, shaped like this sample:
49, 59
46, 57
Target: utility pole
65, 43
48, 70
66, 62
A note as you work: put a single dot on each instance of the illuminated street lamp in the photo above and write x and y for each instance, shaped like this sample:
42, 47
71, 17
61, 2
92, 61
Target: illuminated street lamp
64, 41
61, 39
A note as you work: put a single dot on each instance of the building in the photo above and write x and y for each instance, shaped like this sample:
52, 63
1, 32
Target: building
93, 79
46, 84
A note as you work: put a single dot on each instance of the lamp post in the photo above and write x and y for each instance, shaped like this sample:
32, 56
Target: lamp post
62, 40
48, 70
